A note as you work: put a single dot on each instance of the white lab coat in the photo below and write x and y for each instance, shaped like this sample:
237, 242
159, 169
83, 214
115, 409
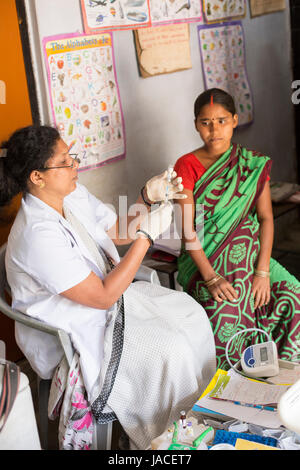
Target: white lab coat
45, 257
168, 352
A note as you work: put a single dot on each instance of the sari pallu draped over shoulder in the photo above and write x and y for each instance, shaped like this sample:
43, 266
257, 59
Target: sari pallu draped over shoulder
227, 226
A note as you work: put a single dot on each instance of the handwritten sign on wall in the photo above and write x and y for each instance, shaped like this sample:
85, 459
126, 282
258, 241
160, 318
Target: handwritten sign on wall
163, 49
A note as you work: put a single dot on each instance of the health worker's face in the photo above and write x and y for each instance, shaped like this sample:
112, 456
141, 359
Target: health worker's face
61, 176
215, 125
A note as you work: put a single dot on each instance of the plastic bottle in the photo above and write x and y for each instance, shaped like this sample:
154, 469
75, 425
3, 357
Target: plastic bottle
183, 419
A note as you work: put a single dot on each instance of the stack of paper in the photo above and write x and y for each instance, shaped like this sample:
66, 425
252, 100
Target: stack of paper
232, 395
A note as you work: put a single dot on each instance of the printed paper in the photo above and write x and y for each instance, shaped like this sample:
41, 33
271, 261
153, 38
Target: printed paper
115, 14
84, 96
220, 10
222, 49
172, 11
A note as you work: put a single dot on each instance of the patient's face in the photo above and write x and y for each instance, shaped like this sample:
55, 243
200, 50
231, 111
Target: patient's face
215, 125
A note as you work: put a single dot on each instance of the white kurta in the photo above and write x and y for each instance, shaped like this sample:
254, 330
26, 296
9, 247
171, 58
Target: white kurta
168, 354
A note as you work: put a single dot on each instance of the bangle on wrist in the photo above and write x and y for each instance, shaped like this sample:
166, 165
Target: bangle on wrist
143, 197
259, 273
213, 280
146, 234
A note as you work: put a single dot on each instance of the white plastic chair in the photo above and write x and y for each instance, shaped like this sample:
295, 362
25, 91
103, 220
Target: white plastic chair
103, 431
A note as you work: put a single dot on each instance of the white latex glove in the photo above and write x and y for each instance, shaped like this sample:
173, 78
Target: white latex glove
156, 222
156, 187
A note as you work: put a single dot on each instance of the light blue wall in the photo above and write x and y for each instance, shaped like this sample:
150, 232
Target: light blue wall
158, 111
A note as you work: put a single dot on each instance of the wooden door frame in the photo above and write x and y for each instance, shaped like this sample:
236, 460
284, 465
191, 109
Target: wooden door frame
31, 83
7, 213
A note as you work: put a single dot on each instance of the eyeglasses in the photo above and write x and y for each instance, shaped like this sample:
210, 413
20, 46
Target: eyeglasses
75, 160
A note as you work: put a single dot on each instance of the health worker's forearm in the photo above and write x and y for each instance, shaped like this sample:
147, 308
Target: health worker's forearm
123, 232
102, 294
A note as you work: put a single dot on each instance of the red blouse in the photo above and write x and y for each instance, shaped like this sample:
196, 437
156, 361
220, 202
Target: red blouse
190, 169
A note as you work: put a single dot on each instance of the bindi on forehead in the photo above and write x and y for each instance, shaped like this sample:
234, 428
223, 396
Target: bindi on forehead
213, 112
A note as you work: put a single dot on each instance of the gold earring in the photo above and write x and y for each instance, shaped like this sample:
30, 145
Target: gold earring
42, 185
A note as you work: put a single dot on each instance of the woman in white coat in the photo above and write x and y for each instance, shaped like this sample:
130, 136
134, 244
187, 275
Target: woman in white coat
144, 352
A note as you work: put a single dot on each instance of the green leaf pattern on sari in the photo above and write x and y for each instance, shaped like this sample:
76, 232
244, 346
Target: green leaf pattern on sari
226, 331
237, 253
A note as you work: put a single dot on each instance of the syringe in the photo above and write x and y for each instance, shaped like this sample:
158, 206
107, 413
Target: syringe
169, 178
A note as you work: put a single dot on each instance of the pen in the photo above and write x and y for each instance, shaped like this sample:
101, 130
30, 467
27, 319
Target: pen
260, 407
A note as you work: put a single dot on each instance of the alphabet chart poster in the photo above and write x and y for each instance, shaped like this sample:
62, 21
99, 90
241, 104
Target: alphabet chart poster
114, 14
222, 10
222, 50
84, 96
175, 11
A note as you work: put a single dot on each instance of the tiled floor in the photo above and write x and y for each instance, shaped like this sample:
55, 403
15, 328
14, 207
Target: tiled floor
289, 258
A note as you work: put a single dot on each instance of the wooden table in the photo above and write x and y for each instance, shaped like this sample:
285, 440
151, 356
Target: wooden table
282, 208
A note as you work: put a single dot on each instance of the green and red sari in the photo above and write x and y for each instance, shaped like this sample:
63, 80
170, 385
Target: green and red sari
228, 192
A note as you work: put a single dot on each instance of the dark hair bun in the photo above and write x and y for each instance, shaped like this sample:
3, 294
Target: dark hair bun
9, 187
26, 150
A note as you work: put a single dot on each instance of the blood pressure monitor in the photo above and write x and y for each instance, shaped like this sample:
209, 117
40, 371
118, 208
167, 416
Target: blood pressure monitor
260, 360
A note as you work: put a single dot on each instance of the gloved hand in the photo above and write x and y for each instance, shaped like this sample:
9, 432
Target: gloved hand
156, 187
156, 222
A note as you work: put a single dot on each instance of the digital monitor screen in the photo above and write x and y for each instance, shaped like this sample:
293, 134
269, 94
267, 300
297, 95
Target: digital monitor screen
263, 354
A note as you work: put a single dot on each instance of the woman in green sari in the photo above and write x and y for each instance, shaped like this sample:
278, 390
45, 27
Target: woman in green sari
226, 263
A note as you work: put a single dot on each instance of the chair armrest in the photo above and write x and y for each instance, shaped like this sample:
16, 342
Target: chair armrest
145, 273
26, 320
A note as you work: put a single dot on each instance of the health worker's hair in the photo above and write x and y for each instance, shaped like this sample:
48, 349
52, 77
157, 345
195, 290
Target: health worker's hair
27, 149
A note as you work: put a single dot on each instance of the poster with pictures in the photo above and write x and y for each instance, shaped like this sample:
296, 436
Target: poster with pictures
174, 11
84, 96
222, 10
115, 14
222, 50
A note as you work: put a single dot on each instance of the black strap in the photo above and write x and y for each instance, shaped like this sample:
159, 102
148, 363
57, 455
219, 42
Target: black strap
10, 387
